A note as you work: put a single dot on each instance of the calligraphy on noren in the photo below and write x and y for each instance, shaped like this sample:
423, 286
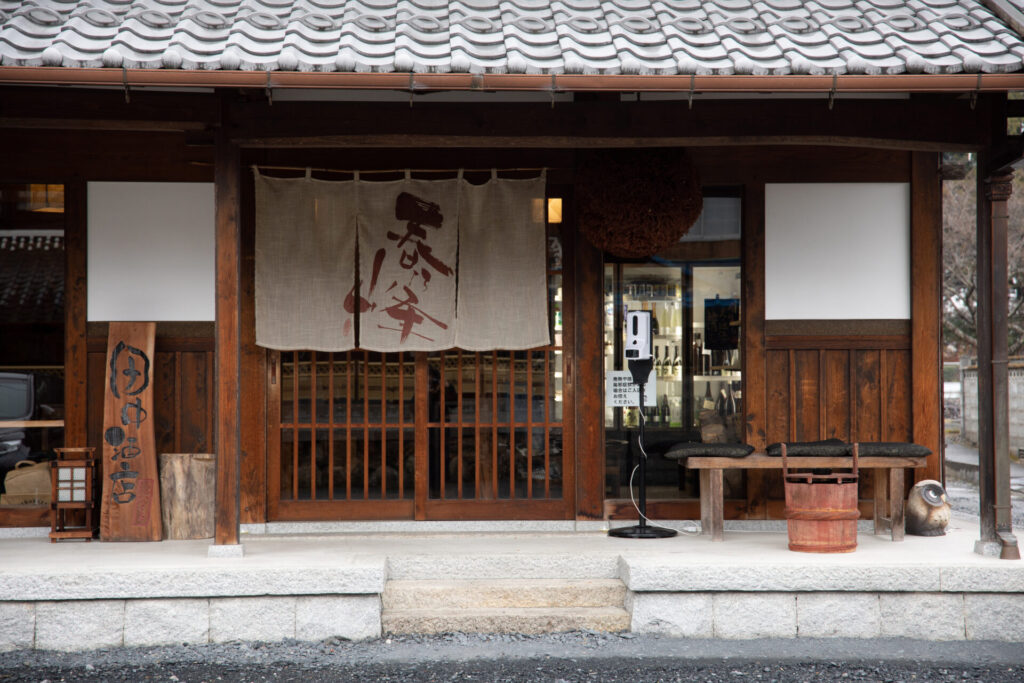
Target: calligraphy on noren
400, 299
129, 377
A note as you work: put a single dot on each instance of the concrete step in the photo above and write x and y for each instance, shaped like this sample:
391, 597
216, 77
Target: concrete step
544, 564
485, 593
528, 620
504, 606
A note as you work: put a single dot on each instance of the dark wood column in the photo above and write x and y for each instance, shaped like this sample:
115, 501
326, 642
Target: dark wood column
587, 358
226, 351
926, 307
75, 304
993, 380
755, 397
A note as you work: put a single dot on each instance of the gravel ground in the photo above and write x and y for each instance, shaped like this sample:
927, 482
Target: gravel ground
563, 657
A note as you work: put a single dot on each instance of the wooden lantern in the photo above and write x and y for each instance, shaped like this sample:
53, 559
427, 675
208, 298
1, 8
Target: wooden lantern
73, 480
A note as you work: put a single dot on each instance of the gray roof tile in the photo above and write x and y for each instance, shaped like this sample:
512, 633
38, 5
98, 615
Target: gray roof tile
515, 36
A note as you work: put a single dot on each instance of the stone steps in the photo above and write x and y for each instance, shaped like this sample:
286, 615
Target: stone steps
510, 606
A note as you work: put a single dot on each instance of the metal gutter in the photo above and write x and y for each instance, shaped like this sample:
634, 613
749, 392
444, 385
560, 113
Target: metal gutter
409, 82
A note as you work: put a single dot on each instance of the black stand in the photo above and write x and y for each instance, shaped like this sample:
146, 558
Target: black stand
641, 369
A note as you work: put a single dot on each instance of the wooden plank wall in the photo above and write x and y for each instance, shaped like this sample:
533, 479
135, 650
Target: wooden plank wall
849, 388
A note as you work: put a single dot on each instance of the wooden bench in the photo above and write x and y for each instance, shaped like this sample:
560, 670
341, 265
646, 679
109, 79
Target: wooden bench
889, 482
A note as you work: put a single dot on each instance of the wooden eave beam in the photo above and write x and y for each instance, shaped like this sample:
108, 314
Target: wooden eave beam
1014, 108
101, 125
920, 123
107, 110
929, 123
1005, 154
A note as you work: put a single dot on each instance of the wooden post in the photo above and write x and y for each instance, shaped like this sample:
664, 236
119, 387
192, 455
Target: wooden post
226, 351
993, 381
75, 356
755, 400
926, 308
584, 368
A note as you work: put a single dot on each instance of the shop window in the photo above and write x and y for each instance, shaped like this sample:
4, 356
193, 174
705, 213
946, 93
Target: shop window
31, 324
694, 295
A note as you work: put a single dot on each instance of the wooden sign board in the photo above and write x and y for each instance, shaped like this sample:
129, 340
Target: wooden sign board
130, 507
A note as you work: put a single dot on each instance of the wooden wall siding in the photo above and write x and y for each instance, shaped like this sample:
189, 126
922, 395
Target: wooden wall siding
857, 393
183, 402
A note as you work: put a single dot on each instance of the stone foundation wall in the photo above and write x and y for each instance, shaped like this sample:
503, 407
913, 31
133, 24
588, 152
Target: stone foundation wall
921, 616
70, 625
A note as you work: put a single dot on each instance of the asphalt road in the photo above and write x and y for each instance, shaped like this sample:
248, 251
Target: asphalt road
568, 657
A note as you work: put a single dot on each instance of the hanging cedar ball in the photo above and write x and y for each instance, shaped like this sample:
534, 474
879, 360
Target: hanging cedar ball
635, 202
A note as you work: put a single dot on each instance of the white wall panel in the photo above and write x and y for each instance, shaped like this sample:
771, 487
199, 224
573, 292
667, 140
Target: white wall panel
837, 251
151, 251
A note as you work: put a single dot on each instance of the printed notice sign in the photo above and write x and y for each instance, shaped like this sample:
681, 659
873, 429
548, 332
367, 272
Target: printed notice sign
620, 392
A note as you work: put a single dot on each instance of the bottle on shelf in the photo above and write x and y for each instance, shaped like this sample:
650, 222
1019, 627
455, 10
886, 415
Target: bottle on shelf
655, 327
698, 354
657, 363
677, 366
709, 401
665, 411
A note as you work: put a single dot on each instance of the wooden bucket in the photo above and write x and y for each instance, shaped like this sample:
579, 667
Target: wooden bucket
821, 510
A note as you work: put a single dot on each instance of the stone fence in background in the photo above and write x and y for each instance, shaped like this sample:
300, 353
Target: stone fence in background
969, 403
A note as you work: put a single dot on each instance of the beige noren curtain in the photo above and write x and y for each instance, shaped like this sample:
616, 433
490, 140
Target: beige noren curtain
417, 240
305, 263
502, 267
408, 242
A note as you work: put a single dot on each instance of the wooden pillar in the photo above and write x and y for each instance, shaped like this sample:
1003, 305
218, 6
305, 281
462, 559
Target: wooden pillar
926, 307
584, 367
227, 335
75, 355
755, 398
993, 379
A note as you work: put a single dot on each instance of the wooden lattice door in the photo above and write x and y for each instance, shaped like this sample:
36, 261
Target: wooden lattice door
451, 435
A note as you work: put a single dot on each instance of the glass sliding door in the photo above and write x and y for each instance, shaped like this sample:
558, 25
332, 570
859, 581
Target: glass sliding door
693, 294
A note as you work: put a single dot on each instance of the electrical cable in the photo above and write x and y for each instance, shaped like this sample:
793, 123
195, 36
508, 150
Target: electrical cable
694, 529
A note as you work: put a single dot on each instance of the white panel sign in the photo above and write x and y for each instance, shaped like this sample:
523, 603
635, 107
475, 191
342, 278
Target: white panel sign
151, 252
620, 391
837, 251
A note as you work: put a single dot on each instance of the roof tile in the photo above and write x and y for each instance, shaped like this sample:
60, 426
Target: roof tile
519, 36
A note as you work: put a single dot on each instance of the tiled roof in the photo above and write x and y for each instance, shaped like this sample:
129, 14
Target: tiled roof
514, 36
31, 278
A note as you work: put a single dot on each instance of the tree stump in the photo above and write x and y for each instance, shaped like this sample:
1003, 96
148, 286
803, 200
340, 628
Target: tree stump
188, 482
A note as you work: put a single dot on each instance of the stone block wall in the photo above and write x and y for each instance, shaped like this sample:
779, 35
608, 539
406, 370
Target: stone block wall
970, 406
920, 616
70, 625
